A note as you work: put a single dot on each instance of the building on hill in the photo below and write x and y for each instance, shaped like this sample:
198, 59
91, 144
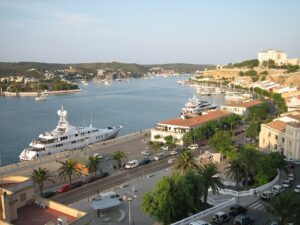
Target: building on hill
282, 135
279, 57
241, 108
178, 127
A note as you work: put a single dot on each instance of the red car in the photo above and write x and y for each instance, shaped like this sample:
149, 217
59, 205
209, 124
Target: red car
65, 188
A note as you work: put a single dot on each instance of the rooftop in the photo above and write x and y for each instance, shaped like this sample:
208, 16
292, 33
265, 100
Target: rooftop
277, 125
296, 125
245, 104
198, 120
39, 216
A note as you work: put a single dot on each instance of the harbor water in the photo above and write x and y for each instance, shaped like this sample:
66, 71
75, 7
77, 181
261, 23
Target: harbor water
136, 105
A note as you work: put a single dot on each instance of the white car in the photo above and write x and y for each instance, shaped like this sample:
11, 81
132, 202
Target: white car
286, 183
171, 161
193, 146
165, 147
173, 152
146, 152
297, 162
97, 155
278, 188
159, 156
132, 164
297, 189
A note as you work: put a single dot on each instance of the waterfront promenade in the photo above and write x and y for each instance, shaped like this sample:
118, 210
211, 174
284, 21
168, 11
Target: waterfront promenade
132, 144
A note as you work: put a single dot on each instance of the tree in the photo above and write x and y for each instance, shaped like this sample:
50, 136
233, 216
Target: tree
248, 157
154, 145
171, 141
68, 169
118, 156
93, 163
185, 162
235, 170
173, 198
209, 173
253, 129
40, 176
285, 207
222, 142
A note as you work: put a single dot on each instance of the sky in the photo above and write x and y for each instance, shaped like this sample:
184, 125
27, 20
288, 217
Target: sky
147, 31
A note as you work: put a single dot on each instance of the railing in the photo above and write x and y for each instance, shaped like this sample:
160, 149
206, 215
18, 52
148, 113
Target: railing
205, 212
68, 153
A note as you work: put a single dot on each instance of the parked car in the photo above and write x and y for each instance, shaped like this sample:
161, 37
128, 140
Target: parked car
243, 220
64, 188
49, 194
236, 210
97, 155
297, 189
193, 146
132, 164
165, 147
146, 152
286, 183
297, 162
291, 178
174, 152
199, 222
278, 188
220, 217
272, 222
268, 195
77, 184
97, 177
145, 161
171, 161
159, 156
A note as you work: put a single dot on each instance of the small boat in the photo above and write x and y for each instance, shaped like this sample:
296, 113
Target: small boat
42, 97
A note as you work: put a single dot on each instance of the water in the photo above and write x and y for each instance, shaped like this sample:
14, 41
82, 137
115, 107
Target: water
137, 105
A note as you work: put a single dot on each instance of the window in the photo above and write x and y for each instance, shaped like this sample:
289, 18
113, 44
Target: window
23, 197
276, 137
282, 140
269, 134
275, 146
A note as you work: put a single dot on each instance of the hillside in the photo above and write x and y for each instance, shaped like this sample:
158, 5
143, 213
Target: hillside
7, 68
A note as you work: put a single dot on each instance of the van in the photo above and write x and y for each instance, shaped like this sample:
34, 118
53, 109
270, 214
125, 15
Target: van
278, 188
132, 164
193, 146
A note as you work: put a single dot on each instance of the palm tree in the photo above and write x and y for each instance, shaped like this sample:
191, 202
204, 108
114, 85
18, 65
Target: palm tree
235, 170
39, 176
185, 163
285, 207
248, 157
155, 146
118, 156
210, 180
93, 163
68, 169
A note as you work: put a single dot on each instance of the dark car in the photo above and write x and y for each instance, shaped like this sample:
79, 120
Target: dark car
49, 194
236, 210
77, 184
97, 177
268, 195
220, 217
145, 161
243, 220
64, 188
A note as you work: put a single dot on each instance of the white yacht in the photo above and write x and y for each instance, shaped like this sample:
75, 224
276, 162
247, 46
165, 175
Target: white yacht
195, 106
42, 97
66, 137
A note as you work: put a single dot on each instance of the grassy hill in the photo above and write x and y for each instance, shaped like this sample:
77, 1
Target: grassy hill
7, 68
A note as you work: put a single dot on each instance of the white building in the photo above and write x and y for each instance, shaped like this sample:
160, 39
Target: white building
279, 57
178, 127
283, 135
240, 108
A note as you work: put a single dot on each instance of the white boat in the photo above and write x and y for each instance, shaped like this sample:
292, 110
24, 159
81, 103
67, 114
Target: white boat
237, 96
195, 106
66, 137
42, 97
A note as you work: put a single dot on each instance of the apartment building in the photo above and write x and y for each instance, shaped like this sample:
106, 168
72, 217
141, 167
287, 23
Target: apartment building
283, 135
178, 127
279, 57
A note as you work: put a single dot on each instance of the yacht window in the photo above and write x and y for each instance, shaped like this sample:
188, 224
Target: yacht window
76, 135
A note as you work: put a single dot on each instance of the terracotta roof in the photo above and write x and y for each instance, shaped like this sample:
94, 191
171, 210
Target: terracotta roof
277, 125
212, 115
245, 104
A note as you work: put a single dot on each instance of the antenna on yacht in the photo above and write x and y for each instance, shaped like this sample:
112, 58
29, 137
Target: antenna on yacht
91, 120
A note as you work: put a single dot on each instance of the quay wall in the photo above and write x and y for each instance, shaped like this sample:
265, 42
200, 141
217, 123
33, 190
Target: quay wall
35, 93
11, 168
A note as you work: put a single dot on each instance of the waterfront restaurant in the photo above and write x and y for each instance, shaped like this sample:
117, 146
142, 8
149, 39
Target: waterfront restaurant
178, 127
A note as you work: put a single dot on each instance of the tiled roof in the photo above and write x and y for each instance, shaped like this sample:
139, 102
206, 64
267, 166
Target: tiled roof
212, 115
245, 104
277, 125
